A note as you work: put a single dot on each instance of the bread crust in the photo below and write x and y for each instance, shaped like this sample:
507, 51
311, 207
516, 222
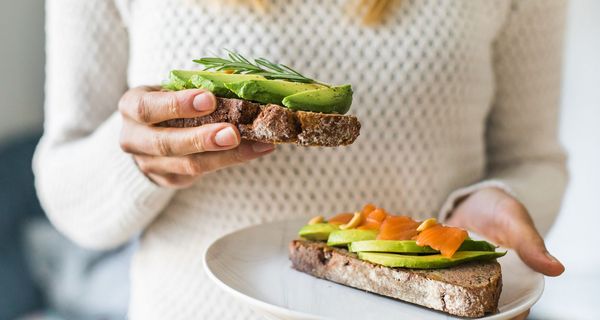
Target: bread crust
276, 124
469, 290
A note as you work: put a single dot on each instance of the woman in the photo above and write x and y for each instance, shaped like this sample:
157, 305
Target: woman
458, 102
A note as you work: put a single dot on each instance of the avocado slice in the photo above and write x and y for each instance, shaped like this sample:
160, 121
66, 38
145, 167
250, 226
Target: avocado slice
268, 91
318, 231
434, 261
177, 81
410, 246
325, 100
216, 87
211, 81
294, 95
476, 245
344, 237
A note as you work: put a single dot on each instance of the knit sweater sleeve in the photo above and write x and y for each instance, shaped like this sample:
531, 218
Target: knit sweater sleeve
90, 189
524, 156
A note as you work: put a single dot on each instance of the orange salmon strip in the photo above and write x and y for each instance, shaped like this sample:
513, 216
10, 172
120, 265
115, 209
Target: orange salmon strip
398, 228
341, 218
368, 208
445, 239
373, 220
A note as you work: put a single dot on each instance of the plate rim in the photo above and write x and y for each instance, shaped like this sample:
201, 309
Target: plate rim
525, 306
244, 297
251, 301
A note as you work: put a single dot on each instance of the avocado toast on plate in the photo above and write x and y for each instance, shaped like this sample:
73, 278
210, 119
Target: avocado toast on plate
425, 263
270, 102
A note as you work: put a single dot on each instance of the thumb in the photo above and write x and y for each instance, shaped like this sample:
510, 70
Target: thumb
532, 250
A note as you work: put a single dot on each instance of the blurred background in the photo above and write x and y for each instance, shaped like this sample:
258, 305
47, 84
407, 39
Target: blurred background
23, 243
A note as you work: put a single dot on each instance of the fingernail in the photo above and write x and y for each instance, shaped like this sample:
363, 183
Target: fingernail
204, 102
226, 137
260, 147
551, 257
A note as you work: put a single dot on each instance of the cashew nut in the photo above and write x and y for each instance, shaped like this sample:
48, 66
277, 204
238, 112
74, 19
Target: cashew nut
354, 222
427, 224
315, 220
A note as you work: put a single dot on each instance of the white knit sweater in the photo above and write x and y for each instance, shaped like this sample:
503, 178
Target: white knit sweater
453, 96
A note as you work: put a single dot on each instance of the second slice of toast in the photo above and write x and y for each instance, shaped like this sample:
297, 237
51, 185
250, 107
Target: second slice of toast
468, 290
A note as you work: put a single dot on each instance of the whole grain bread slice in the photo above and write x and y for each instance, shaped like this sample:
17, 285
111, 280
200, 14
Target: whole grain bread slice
468, 290
276, 124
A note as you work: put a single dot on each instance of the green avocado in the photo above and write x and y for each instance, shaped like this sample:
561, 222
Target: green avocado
410, 246
211, 81
216, 87
434, 261
325, 100
476, 245
344, 237
177, 81
317, 232
294, 95
268, 91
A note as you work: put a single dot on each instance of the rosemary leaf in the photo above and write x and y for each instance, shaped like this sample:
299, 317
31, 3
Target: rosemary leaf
239, 64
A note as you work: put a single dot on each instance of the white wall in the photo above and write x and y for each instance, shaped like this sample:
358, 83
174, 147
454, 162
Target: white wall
21, 66
580, 132
575, 239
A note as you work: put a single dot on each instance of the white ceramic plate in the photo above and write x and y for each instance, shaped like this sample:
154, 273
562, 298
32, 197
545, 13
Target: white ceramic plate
252, 264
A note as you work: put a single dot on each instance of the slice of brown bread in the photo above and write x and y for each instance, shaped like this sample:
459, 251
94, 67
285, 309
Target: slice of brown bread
468, 290
276, 124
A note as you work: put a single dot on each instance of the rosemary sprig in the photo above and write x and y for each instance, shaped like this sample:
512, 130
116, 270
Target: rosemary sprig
239, 64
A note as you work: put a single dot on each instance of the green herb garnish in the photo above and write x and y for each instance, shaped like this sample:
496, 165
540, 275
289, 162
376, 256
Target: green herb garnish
238, 64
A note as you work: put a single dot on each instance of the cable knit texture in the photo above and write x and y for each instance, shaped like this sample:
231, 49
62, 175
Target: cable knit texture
453, 96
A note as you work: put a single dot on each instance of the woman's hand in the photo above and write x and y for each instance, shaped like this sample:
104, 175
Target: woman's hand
501, 218
177, 157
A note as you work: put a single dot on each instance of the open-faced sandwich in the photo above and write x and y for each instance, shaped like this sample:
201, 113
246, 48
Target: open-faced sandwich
270, 102
422, 262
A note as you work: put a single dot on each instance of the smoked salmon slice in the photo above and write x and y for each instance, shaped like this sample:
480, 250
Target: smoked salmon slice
344, 218
398, 228
341, 218
373, 219
369, 225
377, 215
445, 239
368, 208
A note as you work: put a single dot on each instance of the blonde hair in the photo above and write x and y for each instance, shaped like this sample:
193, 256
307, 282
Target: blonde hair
370, 11
373, 11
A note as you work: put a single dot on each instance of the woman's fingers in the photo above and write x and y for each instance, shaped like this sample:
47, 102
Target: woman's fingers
176, 157
504, 220
169, 142
199, 164
531, 248
520, 234
147, 106
182, 172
